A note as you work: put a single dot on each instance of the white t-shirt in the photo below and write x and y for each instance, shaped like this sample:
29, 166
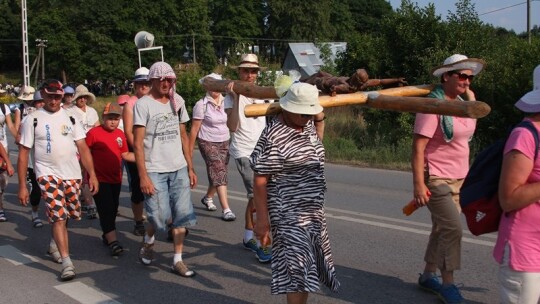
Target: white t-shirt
27, 110
52, 140
3, 129
162, 141
244, 140
87, 119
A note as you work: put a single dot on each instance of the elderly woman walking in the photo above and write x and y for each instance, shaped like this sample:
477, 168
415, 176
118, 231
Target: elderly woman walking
440, 161
289, 189
209, 128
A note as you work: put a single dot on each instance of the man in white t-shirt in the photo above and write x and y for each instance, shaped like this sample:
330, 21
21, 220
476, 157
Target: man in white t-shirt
51, 133
166, 174
245, 134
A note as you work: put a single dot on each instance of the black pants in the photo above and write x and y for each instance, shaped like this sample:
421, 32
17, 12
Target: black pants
35, 194
107, 200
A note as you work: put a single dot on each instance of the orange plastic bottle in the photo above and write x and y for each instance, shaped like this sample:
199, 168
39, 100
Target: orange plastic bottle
412, 206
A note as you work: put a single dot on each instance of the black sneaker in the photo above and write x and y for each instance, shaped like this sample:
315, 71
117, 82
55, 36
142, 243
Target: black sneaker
91, 214
139, 229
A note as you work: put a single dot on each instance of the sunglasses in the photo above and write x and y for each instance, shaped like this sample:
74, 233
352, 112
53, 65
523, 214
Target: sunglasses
462, 76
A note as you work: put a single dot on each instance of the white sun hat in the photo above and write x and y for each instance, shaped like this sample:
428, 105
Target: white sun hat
459, 62
301, 98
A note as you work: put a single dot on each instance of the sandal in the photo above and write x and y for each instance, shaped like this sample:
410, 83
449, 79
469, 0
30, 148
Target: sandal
116, 248
37, 223
68, 273
3, 217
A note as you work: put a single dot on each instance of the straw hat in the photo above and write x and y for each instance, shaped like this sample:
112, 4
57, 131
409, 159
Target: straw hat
301, 98
249, 61
459, 62
81, 91
27, 94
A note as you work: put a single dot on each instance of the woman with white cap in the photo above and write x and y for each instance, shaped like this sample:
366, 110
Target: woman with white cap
517, 249
289, 192
440, 161
209, 128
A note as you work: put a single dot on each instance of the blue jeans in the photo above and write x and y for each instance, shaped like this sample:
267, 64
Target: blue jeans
172, 199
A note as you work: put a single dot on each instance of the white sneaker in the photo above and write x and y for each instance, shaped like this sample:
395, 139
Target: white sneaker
209, 203
228, 216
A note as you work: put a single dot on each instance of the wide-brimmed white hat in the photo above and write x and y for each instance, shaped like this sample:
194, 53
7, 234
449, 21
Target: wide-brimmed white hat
250, 61
301, 98
530, 102
536, 78
27, 93
459, 62
81, 91
212, 75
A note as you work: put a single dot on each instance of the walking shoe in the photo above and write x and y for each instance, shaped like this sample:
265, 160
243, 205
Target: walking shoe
37, 223
181, 269
250, 245
264, 254
228, 216
432, 284
115, 248
139, 229
55, 254
91, 213
146, 253
209, 203
3, 217
68, 273
451, 295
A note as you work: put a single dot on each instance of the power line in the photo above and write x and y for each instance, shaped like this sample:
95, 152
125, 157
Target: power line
504, 8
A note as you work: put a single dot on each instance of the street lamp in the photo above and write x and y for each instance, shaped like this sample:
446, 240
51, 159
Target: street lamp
144, 41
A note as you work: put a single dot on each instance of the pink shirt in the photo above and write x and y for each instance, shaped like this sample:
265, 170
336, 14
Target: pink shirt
214, 120
521, 228
445, 159
131, 101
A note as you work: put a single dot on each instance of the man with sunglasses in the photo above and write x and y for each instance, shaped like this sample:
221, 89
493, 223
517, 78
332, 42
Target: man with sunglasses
50, 132
166, 175
245, 134
440, 161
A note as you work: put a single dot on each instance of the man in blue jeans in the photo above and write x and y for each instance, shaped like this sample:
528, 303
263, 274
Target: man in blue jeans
166, 175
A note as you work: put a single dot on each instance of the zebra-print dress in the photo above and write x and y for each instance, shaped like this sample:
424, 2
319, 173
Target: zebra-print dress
301, 255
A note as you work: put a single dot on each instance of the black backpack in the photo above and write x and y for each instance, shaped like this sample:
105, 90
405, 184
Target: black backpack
478, 197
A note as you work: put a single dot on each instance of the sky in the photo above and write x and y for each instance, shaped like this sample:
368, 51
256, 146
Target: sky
509, 14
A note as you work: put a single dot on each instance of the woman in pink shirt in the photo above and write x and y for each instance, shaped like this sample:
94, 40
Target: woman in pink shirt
209, 128
440, 161
518, 243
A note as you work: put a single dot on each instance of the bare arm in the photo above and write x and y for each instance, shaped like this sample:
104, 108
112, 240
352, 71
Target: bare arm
233, 116
17, 120
186, 149
147, 187
195, 127
514, 191
417, 163
318, 121
128, 156
262, 225
22, 167
88, 164
12, 126
127, 117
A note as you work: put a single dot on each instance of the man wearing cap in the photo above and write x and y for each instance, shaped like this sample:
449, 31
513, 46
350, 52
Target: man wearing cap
88, 118
440, 162
245, 134
142, 87
50, 132
166, 175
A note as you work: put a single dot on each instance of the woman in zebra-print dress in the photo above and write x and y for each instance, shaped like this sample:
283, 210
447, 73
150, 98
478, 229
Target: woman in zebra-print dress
290, 187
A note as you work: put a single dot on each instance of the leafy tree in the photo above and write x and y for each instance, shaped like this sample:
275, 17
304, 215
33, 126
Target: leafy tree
10, 35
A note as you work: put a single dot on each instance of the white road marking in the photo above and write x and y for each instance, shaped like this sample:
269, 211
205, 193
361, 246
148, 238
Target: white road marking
16, 257
85, 294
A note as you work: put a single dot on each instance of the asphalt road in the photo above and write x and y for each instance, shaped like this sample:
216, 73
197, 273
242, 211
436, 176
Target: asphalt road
378, 252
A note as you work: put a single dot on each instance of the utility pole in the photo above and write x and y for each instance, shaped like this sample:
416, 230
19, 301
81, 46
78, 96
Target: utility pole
193, 42
529, 20
26, 71
41, 44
